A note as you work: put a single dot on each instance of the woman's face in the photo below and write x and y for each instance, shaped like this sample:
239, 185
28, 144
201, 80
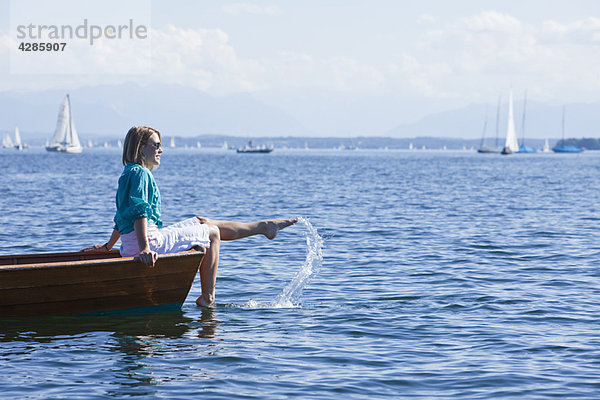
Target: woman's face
151, 152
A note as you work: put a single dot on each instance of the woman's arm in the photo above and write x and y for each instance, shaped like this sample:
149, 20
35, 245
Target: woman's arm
106, 246
113, 239
146, 255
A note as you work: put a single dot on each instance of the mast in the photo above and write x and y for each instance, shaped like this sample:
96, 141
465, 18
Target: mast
69, 135
523, 123
498, 120
563, 125
484, 128
70, 132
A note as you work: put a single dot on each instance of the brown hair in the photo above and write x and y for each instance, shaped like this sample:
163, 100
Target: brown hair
135, 139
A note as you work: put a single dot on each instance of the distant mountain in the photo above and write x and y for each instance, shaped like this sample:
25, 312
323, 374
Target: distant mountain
176, 110
542, 121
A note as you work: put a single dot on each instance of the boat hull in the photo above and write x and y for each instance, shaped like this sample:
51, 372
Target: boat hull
487, 149
268, 150
93, 283
567, 149
63, 149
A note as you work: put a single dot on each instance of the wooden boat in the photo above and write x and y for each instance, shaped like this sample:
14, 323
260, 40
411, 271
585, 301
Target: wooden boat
93, 283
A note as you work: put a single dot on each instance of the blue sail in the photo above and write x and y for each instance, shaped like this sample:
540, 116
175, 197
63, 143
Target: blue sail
525, 149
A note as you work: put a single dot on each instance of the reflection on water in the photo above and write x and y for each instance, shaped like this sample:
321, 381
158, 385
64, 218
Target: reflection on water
208, 326
171, 324
129, 344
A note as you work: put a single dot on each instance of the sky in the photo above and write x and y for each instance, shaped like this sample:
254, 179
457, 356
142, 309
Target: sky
344, 65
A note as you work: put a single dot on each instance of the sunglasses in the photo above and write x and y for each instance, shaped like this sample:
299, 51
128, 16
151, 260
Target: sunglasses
157, 145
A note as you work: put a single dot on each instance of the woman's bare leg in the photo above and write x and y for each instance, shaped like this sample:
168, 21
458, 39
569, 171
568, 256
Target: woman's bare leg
231, 230
208, 269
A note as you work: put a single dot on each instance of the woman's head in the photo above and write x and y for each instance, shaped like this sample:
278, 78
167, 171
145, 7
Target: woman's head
142, 146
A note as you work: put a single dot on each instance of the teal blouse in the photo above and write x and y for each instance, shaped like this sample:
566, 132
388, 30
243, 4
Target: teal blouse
137, 197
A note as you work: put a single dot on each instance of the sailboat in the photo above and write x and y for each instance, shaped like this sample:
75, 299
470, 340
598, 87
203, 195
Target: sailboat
546, 148
565, 148
523, 148
18, 145
172, 144
483, 148
7, 141
510, 145
65, 139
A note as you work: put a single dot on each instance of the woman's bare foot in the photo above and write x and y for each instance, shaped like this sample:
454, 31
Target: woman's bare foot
275, 225
202, 302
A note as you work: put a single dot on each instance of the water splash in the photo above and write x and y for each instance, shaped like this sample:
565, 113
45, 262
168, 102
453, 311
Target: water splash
290, 295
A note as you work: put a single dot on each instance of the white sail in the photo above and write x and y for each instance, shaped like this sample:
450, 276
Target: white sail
172, 145
7, 141
17, 137
18, 144
60, 133
511, 136
65, 137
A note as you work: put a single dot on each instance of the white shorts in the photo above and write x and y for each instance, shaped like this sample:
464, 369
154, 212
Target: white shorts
174, 238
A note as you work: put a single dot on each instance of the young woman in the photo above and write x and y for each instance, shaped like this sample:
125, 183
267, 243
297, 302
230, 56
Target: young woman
138, 224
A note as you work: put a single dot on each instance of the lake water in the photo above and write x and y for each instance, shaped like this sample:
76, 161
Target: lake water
445, 275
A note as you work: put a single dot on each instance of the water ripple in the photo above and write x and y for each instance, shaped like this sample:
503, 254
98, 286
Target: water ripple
443, 276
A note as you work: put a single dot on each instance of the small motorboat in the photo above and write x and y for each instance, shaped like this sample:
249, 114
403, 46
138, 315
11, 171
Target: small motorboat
250, 148
93, 283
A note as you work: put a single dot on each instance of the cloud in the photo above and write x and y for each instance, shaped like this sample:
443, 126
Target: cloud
584, 32
426, 19
482, 54
205, 59
466, 60
492, 21
201, 58
250, 8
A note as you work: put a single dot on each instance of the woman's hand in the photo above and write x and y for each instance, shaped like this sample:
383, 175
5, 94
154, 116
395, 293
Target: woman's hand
147, 257
106, 246
97, 247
